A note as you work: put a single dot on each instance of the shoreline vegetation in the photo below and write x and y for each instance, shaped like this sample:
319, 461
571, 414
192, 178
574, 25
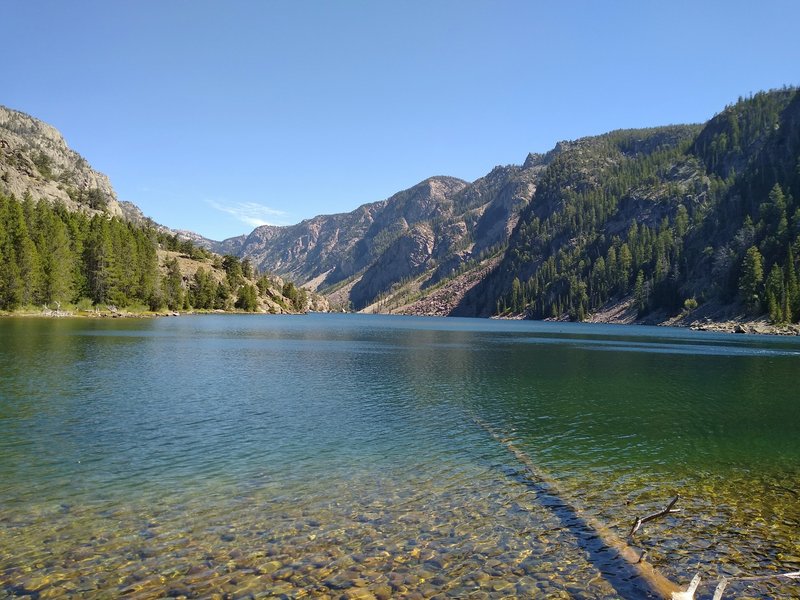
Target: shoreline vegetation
122, 313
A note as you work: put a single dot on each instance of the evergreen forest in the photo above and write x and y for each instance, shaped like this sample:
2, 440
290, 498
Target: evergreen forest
50, 255
668, 218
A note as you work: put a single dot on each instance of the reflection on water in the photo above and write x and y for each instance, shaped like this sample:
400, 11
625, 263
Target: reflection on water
336, 456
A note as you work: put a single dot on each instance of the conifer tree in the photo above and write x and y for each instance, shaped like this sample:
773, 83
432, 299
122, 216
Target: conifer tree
57, 257
10, 280
24, 252
640, 293
752, 278
775, 293
99, 261
792, 288
172, 286
247, 299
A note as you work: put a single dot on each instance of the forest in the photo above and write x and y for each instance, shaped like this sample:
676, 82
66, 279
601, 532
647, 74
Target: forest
670, 217
50, 255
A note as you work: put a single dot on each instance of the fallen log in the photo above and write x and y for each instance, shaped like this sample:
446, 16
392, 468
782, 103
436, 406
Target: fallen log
688, 594
626, 558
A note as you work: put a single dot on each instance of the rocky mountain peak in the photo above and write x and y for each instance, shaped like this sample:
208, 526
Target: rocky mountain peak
534, 159
35, 160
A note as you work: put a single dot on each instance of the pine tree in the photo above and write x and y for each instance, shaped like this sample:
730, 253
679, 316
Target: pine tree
147, 287
173, 286
792, 288
25, 254
247, 268
223, 296
752, 278
57, 258
99, 261
10, 279
775, 293
203, 289
625, 266
516, 296
640, 292
248, 298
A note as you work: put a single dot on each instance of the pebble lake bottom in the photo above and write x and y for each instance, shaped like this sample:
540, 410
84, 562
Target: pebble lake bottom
338, 456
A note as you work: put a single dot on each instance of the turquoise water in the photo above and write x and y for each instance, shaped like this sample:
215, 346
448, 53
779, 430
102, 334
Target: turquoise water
338, 456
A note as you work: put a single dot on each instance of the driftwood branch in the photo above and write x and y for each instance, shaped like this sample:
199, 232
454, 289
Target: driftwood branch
720, 588
688, 594
48, 312
726, 580
642, 520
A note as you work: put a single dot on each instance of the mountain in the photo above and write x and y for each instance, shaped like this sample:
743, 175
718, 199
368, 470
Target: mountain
652, 225
669, 224
677, 222
422, 235
65, 239
35, 160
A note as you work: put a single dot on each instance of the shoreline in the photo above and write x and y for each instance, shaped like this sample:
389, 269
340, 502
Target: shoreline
746, 327
711, 316
732, 326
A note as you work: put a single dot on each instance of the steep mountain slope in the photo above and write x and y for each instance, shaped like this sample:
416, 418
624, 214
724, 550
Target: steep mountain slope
337, 246
664, 220
425, 233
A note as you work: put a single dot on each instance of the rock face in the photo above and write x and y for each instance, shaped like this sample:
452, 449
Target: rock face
35, 160
341, 245
426, 233
406, 257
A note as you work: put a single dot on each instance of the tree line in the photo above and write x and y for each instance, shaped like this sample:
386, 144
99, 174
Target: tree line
49, 254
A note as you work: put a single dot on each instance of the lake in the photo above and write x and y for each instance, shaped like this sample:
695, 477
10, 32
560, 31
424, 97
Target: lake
368, 457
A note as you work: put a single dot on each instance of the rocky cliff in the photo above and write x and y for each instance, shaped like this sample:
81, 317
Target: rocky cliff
402, 245
35, 160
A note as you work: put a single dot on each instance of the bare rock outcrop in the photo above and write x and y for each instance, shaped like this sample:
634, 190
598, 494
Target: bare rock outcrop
35, 160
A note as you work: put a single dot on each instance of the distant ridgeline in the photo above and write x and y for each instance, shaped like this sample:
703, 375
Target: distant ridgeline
49, 254
670, 218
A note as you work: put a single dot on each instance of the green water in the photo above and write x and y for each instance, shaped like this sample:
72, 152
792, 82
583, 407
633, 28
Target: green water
338, 456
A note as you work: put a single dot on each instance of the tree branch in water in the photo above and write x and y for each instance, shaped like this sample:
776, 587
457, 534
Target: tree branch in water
642, 520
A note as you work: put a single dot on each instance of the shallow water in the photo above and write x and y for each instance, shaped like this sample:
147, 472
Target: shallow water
338, 456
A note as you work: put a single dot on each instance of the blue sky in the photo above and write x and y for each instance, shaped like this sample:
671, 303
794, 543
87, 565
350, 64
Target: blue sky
218, 116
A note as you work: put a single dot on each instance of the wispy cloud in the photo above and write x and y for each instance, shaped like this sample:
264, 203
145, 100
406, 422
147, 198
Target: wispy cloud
251, 213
